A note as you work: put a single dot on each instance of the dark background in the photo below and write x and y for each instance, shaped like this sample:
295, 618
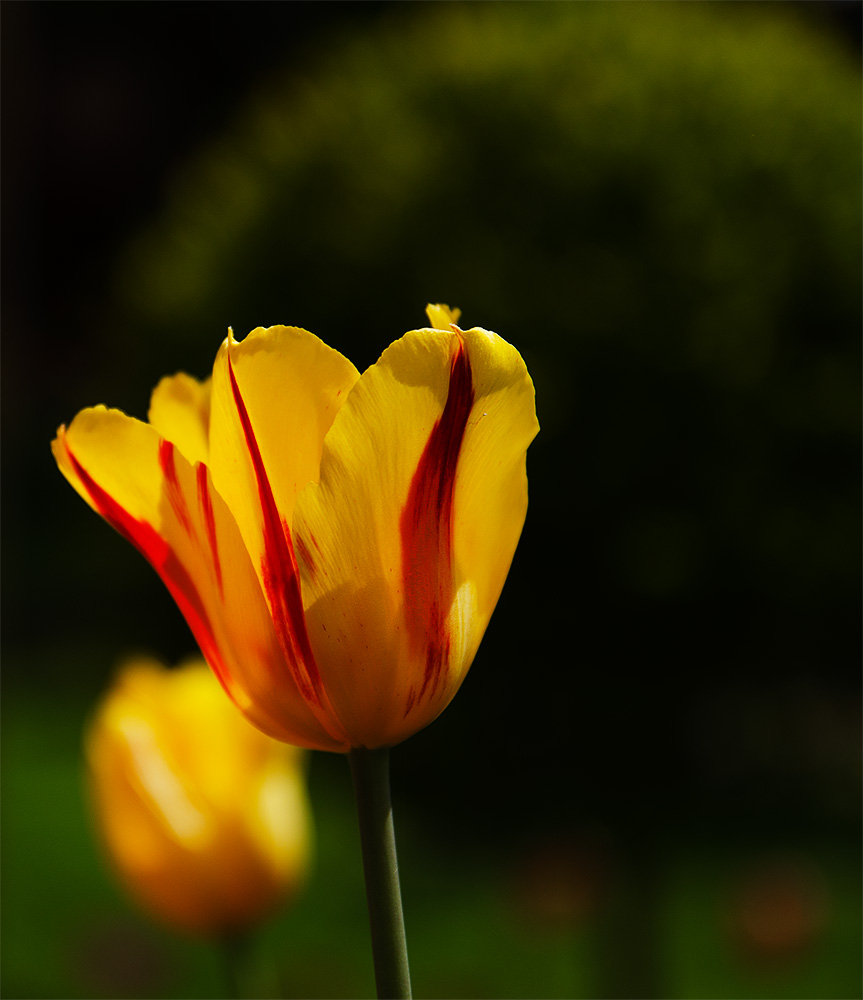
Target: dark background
650, 782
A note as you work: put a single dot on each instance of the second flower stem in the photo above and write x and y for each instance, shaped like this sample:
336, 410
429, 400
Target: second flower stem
234, 951
371, 774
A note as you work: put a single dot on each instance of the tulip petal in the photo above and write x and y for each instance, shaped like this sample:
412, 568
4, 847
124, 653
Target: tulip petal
405, 543
180, 412
441, 317
145, 488
275, 395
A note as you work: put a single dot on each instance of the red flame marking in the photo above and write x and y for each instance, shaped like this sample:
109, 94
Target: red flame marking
281, 579
174, 493
306, 557
205, 501
163, 559
426, 530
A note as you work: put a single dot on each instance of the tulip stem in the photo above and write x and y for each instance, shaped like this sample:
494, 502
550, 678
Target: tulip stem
371, 774
234, 949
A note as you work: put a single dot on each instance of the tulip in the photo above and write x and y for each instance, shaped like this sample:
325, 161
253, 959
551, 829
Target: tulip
337, 542
205, 819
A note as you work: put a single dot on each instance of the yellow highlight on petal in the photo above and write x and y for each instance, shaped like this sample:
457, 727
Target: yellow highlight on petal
462, 621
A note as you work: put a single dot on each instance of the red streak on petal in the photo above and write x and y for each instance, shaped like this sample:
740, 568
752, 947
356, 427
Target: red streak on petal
174, 493
426, 531
205, 501
306, 557
163, 559
279, 566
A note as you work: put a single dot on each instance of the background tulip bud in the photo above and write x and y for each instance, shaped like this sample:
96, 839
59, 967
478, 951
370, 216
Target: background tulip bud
205, 819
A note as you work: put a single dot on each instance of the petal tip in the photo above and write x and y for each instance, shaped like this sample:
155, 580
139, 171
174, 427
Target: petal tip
441, 317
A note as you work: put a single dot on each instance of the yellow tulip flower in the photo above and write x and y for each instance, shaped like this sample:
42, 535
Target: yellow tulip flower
337, 542
205, 819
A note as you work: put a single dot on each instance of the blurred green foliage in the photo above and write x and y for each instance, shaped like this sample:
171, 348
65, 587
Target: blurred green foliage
485, 923
680, 181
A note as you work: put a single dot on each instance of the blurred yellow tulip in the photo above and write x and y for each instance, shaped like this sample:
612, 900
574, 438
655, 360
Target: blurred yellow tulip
205, 819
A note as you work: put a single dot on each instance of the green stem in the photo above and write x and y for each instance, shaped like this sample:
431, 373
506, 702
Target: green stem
371, 773
234, 949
